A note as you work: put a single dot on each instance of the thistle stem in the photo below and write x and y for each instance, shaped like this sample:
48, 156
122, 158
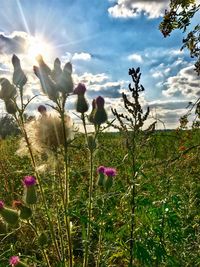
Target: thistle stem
66, 199
87, 241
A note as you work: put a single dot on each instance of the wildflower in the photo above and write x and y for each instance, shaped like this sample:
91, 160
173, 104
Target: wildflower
9, 215
19, 78
110, 173
15, 261
100, 115
100, 171
30, 195
81, 104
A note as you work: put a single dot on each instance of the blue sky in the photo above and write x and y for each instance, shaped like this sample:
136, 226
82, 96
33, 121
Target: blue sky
102, 39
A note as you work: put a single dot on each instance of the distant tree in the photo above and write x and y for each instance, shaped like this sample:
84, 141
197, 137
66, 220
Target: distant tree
179, 16
8, 127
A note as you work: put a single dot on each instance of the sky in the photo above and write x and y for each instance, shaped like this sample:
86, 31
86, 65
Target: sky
102, 39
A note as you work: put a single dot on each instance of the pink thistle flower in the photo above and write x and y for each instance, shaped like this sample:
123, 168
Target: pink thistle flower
14, 260
29, 181
110, 172
100, 102
80, 89
101, 169
1, 204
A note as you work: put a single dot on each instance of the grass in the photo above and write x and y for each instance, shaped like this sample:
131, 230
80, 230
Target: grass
166, 218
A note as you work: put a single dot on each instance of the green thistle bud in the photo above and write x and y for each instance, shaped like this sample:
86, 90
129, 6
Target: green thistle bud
100, 115
25, 212
42, 239
10, 106
81, 104
3, 227
101, 179
108, 182
9, 215
30, 195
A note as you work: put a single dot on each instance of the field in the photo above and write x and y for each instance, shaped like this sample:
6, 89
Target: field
166, 197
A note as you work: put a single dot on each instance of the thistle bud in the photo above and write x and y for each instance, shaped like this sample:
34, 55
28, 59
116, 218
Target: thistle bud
81, 104
25, 212
101, 178
19, 78
91, 116
10, 106
42, 239
8, 91
3, 227
100, 115
30, 195
9, 215
108, 182
65, 82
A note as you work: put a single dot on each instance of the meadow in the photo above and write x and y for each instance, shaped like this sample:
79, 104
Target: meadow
124, 198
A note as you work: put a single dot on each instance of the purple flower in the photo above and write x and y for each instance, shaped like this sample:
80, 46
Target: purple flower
1, 204
14, 260
110, 172
29, 181
101, 169
80, 89
100, 102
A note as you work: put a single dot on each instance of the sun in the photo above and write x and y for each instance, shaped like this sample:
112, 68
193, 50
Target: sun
38, 46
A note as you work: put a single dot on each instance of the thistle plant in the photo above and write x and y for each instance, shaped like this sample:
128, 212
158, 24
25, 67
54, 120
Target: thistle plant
97, 117
57, 84
130, 125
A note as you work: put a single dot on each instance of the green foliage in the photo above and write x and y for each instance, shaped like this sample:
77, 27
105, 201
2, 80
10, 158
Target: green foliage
8, 127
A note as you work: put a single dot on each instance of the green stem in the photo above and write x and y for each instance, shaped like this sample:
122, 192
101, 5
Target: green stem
100, 237
66, 198
87, 241
43, 250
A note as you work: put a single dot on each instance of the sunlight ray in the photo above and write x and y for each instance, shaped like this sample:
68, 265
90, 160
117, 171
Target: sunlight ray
23, 17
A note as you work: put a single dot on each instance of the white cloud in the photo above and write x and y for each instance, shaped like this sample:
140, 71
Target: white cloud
185, 83
89, 78
81, 56
130, 9
135, 57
